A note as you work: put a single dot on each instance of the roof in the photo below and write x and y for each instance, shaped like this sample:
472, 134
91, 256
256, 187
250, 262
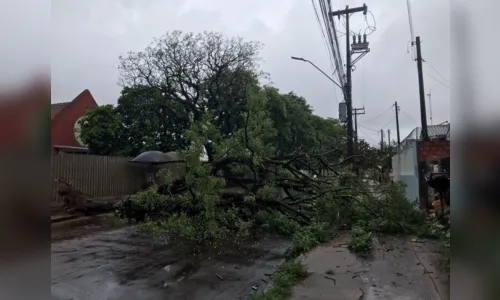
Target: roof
440, 130
56, 108
71, 149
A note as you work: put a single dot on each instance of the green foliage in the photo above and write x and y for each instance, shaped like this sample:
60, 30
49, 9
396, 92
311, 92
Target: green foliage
306, 238
384, 208
278, 222
165, 90
115, 221
139, 206
143, 120
374, 157
101, 130
286, 276
439, 227
360, 242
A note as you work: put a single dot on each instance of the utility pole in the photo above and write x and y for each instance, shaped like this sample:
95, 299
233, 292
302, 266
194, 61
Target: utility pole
381, 139
348, 85
430, 106
389, 137
423, 114
396, 109
422, 165
356, 112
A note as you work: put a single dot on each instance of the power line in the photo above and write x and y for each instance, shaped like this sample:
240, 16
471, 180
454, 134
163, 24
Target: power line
437, 80
381, 114
333, 39
345, 26
374, 130
408, 115
325, 42
444, 78
330, 36
369, 137
384, 127
368, 26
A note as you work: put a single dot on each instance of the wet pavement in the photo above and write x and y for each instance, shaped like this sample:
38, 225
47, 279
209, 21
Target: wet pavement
401, 269
124, 264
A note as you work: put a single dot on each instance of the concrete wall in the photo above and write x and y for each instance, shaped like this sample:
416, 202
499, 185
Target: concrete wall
405, 169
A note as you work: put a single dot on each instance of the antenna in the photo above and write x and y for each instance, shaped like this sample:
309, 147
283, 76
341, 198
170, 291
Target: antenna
412, 35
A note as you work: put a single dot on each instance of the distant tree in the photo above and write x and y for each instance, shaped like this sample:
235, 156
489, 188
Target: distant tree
181, 77
202, 72
102, 131
149, 122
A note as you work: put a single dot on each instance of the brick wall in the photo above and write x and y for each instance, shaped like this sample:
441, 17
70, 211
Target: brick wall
434, 150
63, 125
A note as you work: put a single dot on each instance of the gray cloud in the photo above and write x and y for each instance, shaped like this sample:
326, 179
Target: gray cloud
88, 37
25, 47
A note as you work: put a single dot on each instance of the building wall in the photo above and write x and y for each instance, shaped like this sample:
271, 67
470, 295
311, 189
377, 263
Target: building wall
405, 169
63, 125
435, 150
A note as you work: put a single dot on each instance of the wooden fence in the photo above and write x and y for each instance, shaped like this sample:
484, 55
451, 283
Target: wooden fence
98, 176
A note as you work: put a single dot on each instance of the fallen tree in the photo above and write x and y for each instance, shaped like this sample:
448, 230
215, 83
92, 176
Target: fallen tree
75, 201
271, 162
246, 182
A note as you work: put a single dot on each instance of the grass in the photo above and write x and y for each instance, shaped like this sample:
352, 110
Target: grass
292, 270
306, 238
283, 281
115, 221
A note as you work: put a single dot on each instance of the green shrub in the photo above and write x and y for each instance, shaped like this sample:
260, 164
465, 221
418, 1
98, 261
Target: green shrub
282, 282
141, 205
306, 238
360, 242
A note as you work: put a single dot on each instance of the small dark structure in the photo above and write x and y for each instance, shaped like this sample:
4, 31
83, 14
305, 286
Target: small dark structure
440, 182
152, 160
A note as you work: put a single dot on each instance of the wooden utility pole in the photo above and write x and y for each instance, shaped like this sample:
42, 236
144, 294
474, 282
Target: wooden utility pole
396, 109
423, 113
381, 139
348, 85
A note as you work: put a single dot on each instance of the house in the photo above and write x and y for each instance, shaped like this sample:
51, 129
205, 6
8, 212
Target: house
438, 132
415, 153
65, 129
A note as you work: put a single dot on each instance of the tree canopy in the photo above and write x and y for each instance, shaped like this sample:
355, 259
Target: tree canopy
269, 155
179, 78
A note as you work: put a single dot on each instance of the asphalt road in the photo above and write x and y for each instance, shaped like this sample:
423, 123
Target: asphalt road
127, 265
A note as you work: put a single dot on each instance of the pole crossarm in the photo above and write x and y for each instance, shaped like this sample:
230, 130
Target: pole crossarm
349, 63
346, 11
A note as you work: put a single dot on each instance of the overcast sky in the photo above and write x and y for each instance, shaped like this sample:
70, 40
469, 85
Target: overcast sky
89, 35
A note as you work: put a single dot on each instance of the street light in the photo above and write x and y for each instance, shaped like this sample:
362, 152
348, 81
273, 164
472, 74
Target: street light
302, 59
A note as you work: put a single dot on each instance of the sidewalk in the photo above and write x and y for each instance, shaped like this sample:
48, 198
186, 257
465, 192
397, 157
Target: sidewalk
401, 269
65, 226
